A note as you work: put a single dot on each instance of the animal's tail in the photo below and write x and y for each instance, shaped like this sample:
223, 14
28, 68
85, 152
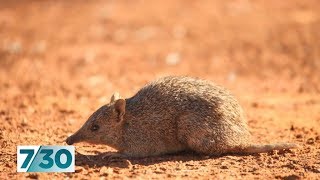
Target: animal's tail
253, 149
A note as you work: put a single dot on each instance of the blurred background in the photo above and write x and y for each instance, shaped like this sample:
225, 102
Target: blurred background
60, 60
99, 46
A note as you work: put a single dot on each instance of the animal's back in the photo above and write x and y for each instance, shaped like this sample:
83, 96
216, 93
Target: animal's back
179, 94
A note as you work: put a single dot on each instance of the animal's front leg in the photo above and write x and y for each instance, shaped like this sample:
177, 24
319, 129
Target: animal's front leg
113, 156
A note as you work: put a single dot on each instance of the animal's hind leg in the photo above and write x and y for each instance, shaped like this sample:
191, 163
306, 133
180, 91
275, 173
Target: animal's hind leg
204, 143
208, 137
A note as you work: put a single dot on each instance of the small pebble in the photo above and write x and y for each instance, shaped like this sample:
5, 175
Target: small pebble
298, 136
24, 121
310, 141
33, 176
224, 167
292, 128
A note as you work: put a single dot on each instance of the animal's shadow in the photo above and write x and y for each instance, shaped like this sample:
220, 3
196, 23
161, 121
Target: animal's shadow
101, 159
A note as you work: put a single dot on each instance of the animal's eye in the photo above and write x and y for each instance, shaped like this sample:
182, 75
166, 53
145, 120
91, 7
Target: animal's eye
94, 127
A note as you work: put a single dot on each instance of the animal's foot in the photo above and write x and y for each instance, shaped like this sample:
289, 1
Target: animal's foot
118, 159
114, 157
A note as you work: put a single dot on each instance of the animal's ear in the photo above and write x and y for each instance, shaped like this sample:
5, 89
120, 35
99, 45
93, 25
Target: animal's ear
115, 97
120, 108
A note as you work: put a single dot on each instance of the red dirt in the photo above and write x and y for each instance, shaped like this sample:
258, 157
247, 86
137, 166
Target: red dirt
61, 60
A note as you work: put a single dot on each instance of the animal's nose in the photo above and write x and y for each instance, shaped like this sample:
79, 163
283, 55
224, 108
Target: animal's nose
69, 140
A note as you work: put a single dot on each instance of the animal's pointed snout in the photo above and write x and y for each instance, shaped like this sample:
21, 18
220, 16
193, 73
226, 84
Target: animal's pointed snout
69, 140
74, 138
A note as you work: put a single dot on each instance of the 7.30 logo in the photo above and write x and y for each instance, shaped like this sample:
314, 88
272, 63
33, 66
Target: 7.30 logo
45, 159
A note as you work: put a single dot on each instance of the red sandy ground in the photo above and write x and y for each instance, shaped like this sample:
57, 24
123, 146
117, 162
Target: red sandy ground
61, 60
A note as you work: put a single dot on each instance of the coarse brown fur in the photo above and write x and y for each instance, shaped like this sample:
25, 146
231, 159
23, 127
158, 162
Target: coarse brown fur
173, 114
